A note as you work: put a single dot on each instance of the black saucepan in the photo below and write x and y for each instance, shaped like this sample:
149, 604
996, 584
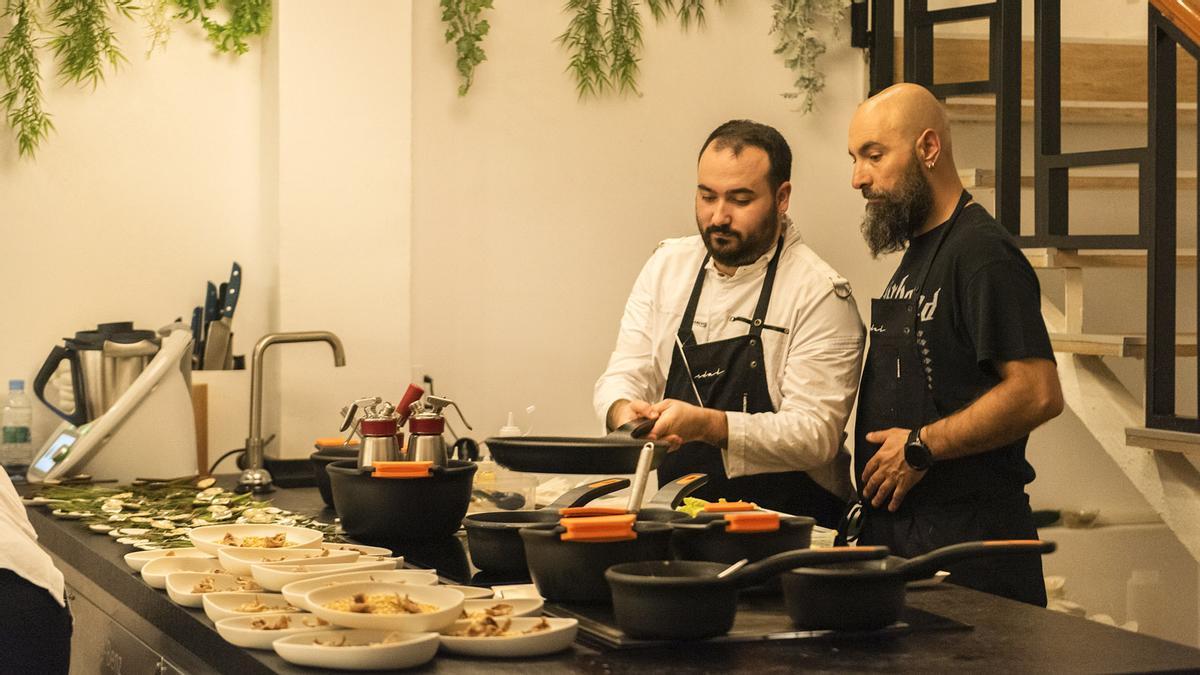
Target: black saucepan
387, 510
573, 571
729, 537
493, 538
870, 595
615, 453
685, 599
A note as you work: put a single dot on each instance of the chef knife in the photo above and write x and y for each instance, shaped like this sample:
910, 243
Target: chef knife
197, 335
210, 314
231, 299
216, 351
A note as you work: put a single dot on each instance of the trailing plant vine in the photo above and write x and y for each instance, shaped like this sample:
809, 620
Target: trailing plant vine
794, 25
81, 42
603, 39
466, 30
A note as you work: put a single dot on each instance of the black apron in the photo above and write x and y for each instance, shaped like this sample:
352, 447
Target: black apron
729, 375
897, 391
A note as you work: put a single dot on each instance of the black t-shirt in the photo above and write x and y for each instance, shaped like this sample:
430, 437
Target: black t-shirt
980, 305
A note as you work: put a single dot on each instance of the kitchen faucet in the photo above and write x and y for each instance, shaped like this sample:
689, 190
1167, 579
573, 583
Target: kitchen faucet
255, 477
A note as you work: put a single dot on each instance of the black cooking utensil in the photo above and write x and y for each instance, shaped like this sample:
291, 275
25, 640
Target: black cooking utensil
505, 501
380, 511
684, 599
866, 596
615, 453
493, 538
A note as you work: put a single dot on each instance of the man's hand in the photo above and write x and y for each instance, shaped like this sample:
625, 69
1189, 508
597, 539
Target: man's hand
625, 410
887, 478
678, 423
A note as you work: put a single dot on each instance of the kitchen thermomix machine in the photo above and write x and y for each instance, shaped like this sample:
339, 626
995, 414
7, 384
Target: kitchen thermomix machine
131, 392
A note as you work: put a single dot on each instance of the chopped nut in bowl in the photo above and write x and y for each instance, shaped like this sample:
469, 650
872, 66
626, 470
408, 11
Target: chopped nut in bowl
358, 649
224, 605
386, 606
258, 632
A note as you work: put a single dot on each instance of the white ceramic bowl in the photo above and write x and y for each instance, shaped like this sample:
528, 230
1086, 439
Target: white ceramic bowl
155, 572
448, 602
558, 637
295, 591
180, 585
509, 608
239, 630
225, 605
473, 592
239, 560
363, 549
138, 559
275, 576
208, 538
410, 649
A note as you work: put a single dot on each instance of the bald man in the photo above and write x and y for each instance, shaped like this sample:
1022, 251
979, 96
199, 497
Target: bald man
959, 368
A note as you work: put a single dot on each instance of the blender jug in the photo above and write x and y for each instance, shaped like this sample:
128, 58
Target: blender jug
103, 362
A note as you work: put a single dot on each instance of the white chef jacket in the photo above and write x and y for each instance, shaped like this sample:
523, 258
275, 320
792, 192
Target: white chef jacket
19, 550
812, 369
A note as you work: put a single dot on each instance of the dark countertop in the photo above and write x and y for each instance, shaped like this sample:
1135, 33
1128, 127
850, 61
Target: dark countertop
1006, 635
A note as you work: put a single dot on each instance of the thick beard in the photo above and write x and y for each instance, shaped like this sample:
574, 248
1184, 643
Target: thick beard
750, 248
887, 226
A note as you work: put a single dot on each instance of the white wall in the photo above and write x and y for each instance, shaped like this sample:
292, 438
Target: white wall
533, 212
149, 186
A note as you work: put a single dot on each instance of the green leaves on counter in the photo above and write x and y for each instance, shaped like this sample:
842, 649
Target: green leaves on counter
160, 514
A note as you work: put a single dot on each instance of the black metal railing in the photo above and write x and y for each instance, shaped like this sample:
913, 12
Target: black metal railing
1158, 205
1156, 162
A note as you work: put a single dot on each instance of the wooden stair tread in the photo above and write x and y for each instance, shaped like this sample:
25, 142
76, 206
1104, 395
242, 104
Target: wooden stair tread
1163, 440
1053, 258
1129, 345
1080, 179
983, 109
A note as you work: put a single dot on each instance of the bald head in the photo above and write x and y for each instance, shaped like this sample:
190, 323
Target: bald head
905, 111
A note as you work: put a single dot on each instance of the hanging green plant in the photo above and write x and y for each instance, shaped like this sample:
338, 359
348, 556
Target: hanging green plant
83, 46
466, 30
797, 41
604, 41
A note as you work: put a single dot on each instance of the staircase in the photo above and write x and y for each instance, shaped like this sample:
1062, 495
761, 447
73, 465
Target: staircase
1098, 96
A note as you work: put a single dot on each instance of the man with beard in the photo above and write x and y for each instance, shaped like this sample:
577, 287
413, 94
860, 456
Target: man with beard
741, 343
960, 367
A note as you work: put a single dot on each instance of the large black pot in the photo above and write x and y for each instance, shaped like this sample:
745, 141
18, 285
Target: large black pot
722, 537
388, 510
870, 595
686, 599
615, 453
323, 458
573, 571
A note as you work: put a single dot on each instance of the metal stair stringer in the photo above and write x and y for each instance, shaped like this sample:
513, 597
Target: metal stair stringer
1169, 481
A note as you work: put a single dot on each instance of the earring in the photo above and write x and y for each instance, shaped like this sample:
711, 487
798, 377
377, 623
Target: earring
929, 165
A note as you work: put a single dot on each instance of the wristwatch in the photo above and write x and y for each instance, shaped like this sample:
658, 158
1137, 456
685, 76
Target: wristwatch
916, 454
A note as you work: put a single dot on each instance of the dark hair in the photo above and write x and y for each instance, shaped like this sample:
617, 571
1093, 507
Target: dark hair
737, 134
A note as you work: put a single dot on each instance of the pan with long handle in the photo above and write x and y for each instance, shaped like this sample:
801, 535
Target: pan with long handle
687, 599
617, 452
866, 596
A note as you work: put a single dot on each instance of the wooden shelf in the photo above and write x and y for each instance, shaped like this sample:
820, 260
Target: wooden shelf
1125, 346
1080, 179
1163, 440
977, 109
1054, 258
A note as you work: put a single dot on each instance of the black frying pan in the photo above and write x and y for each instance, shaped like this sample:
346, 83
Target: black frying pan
870, 595
686, 600
493, 538
615, 453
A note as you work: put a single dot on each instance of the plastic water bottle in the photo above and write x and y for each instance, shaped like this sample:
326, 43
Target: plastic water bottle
16, 447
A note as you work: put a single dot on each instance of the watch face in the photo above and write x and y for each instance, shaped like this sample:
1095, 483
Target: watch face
917, 455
